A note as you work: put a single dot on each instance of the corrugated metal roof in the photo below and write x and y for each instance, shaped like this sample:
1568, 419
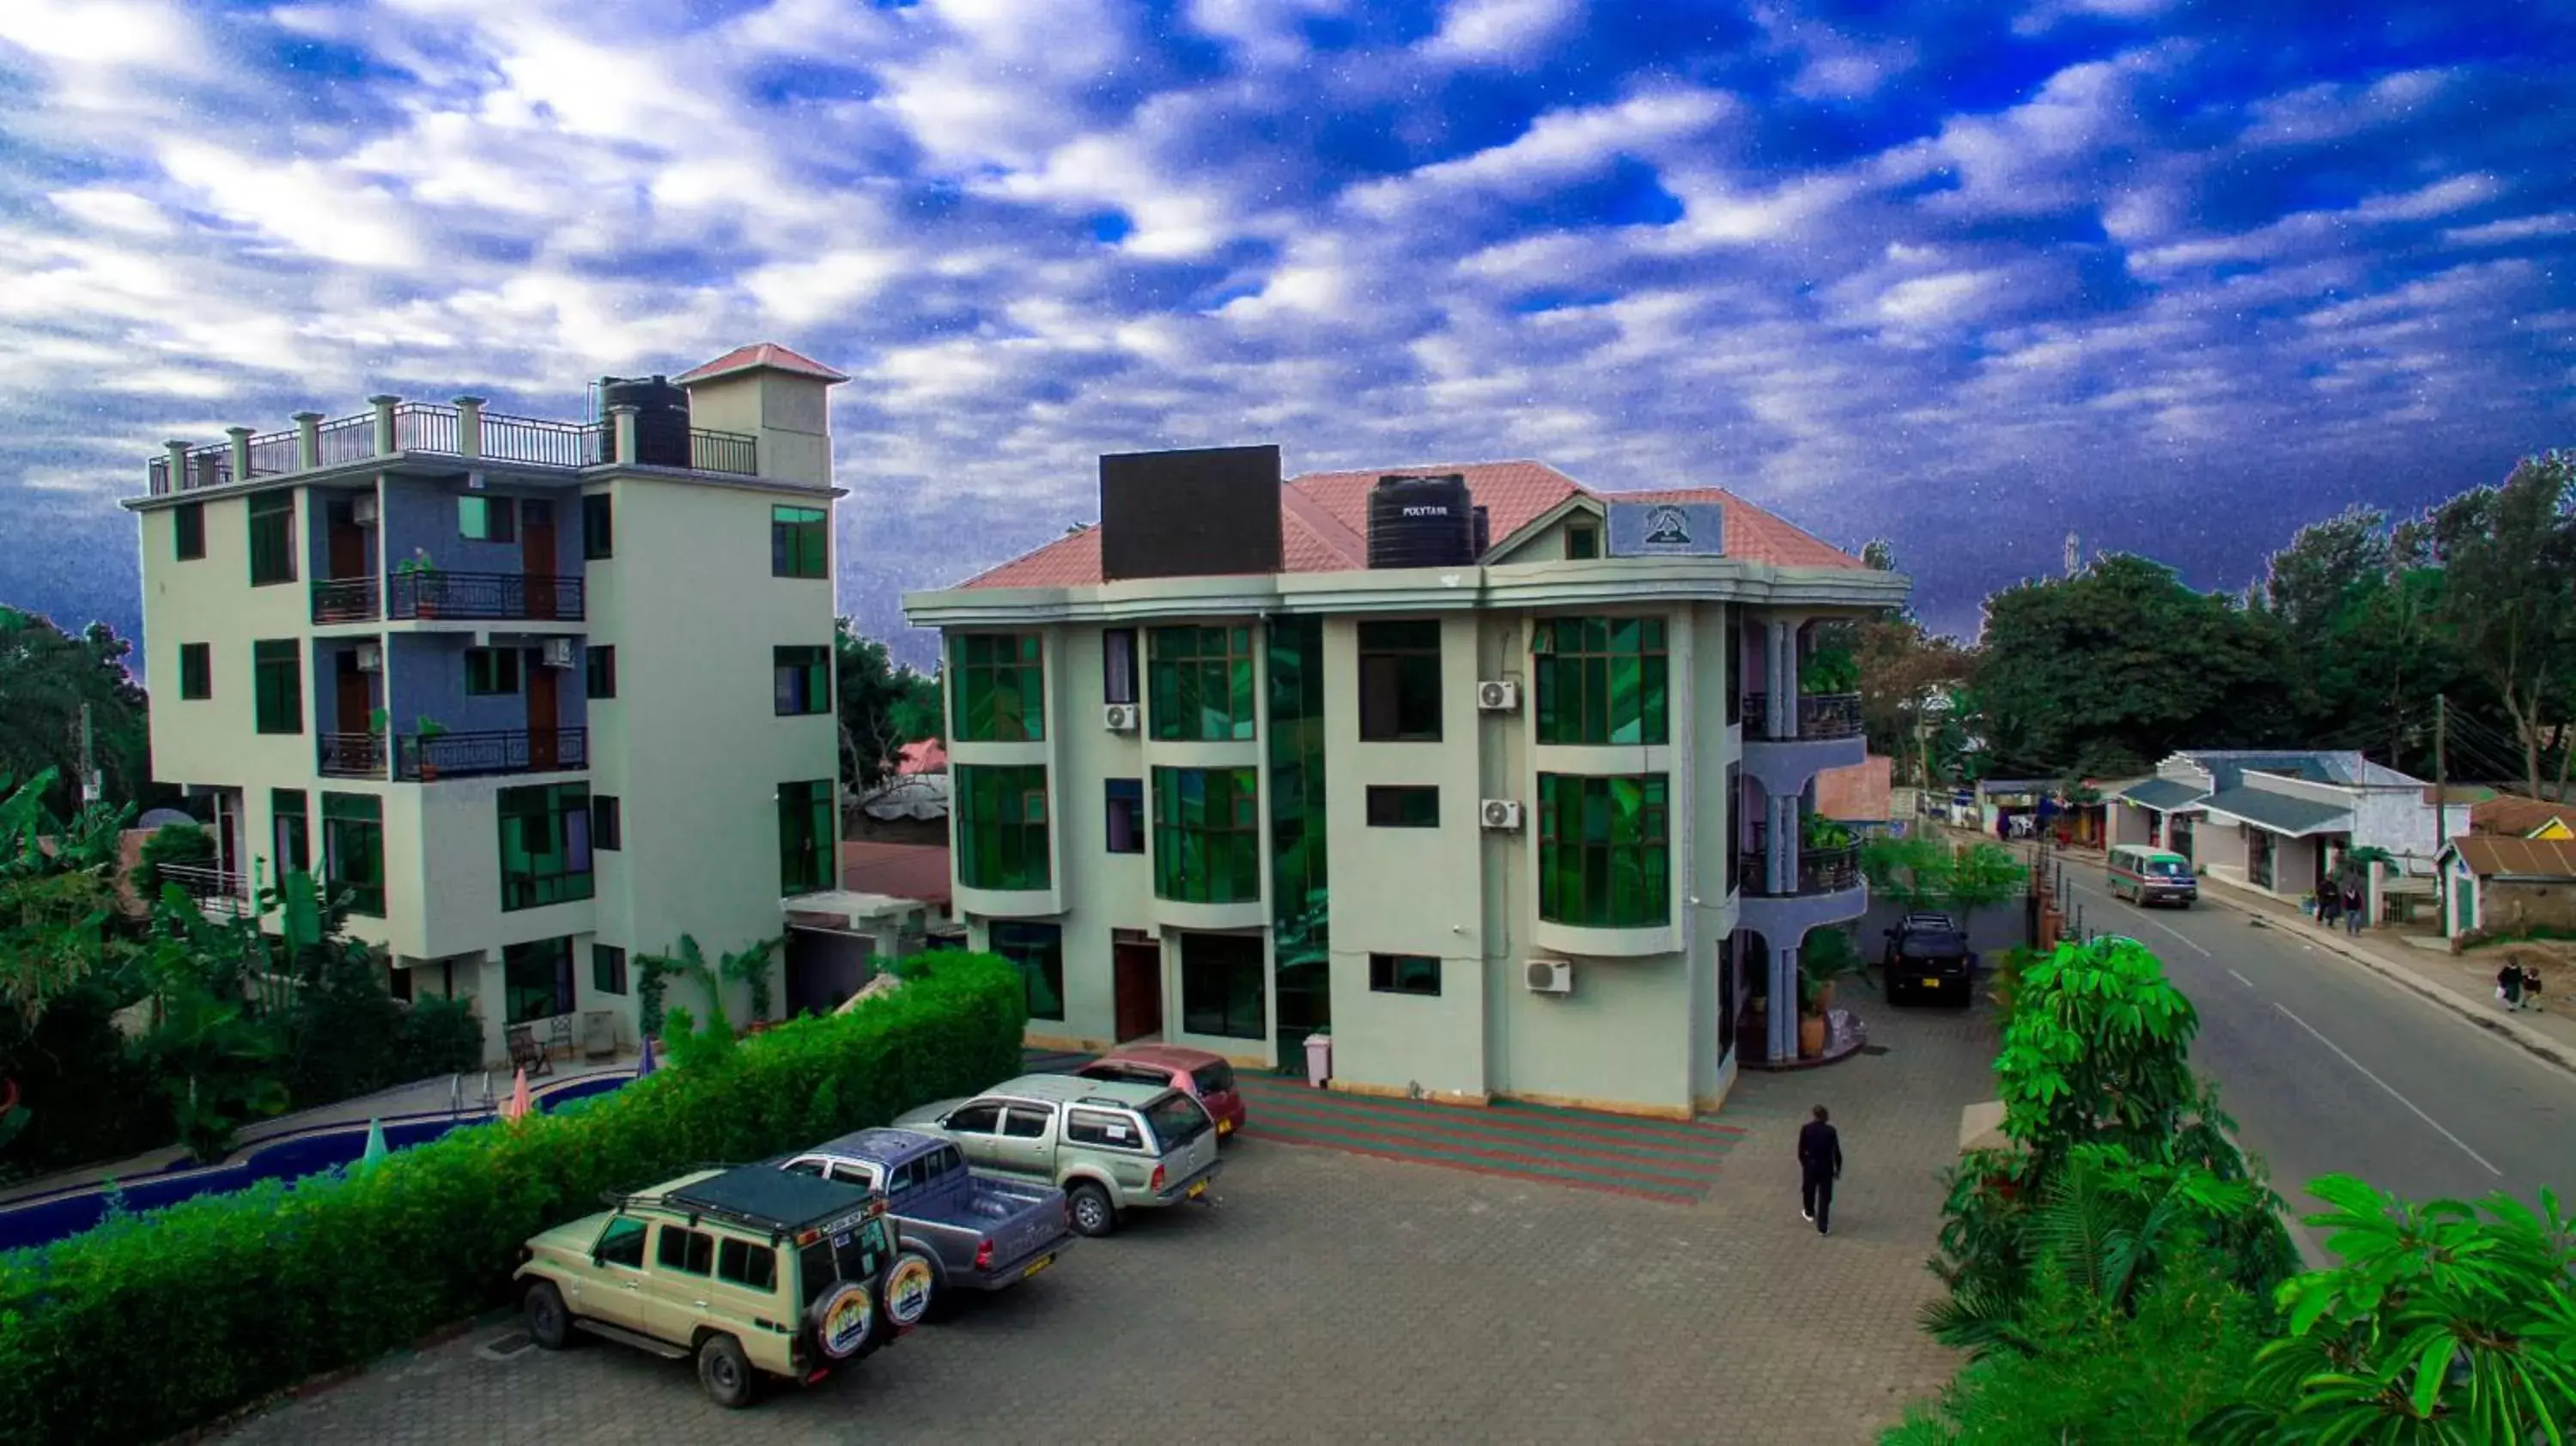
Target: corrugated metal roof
2509, 814
2278, 812
2490, 856
2164, 795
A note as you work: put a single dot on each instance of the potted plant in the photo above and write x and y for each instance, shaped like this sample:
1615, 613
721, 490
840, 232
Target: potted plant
425, 728
424, 593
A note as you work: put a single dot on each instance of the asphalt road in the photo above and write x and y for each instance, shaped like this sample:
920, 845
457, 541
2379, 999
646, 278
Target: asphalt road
2330, 1069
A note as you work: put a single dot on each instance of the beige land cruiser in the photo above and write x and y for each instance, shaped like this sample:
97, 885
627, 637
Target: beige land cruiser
752, 1271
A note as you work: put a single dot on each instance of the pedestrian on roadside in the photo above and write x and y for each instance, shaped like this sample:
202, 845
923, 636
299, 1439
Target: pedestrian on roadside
2355, 907
2509, 990
1820, 1162
2329, 904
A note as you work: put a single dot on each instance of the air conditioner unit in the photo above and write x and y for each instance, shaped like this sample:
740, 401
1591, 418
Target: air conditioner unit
371, 657
1119, 717
1549, 976
558, 652
363, 511
1500, 813
1498, 696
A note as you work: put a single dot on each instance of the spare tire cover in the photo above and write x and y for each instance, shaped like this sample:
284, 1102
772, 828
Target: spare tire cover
842, 1320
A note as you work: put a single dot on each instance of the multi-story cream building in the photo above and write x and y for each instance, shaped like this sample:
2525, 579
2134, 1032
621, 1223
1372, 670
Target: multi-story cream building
542, 695
1515, 812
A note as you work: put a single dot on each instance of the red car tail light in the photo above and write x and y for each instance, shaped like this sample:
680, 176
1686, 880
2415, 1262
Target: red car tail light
984, 1255
1157, 1186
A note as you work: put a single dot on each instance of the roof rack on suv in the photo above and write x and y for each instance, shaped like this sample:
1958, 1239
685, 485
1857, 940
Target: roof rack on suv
774, 1201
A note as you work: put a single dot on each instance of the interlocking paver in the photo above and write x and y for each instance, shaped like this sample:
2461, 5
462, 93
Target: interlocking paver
1340, 1297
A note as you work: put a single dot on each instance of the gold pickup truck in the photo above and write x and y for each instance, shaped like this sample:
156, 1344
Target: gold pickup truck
752, 1271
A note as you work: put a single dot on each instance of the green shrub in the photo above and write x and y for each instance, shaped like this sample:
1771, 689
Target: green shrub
173, 843
255, 1291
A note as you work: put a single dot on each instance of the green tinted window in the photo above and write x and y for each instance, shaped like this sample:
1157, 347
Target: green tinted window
806, 837
799, 542
1604, 856
997, 688
272, 538
1001, 826
1600, 680
353, 849
1207, 835
1039, 951
1199, 683
277, 686
801, 680
545, 845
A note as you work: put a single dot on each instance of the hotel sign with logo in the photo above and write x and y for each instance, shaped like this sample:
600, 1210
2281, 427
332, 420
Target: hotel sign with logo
1667, 529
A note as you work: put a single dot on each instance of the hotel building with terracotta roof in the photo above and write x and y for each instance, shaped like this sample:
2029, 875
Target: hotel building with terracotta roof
1497, 780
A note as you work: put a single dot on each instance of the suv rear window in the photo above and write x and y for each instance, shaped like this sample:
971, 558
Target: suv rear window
852, 1255
1176, 1119
2166, 868
1213, 1079
1934, 943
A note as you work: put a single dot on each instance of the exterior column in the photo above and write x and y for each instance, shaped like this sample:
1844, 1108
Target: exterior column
241, 452
308, 440
178, 465
1782, 864
1782, 712
622, 419
1782, 1020
491, 1009
469, 426
384, 423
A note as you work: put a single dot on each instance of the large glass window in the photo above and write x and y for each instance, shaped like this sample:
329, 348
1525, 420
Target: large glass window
1200, 681
536, 979
1604, 860
997, 687
799, 542
1301, 900
1221, 991
803, 680
1400, 682
196, 671
805, 836
1001, 826
545, 844
1207, 835
293, 824
1125, 800
1039, 951
272, 538
188, 522
277, 685
353, 849
1600, 680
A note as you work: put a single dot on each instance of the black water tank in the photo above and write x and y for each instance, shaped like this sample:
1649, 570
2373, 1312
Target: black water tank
1484, 532
661, 417
1421, 522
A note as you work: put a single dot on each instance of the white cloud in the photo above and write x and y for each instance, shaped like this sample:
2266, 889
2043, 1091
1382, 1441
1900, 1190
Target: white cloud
100, 32
115, 210
1494, 31
801, 293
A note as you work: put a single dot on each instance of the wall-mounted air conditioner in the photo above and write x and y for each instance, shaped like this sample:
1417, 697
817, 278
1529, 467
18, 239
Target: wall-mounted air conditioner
1498, 696
1118, 717
371, 657
558, 652
1500, 813
362, 511
1549, 976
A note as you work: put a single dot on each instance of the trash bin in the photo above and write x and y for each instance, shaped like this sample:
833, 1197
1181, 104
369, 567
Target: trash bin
1319, 1059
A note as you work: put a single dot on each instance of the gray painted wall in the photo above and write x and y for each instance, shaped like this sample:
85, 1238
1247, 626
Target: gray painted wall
427, 671
420, 512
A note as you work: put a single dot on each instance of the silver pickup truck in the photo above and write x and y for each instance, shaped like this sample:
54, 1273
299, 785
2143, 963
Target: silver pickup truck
956, 1230
1110, 1146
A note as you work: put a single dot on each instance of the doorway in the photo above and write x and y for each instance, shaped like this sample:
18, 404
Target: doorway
537, 554
352, 702
1136, 969
543, 718
347, 540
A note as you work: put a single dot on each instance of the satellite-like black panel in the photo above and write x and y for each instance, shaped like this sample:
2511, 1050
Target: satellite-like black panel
1207, 512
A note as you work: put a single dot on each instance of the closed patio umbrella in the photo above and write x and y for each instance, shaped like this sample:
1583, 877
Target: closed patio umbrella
375, 1150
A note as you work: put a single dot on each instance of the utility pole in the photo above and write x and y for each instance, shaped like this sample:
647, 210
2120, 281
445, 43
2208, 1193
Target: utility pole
2441, 803
90, 789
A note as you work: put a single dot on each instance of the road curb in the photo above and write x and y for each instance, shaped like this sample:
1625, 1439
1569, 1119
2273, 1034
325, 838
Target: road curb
2532, 1041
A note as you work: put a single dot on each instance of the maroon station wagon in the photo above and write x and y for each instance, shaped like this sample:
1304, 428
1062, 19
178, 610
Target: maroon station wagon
1197, 1073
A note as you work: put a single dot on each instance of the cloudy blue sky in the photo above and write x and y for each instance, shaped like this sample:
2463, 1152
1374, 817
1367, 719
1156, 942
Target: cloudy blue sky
2174, 275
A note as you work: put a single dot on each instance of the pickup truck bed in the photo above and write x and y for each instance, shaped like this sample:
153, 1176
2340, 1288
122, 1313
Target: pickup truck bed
971, 1232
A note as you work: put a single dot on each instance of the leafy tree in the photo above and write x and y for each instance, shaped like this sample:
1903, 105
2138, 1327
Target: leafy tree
45, 677
883, 706
677, 1027
56, 895
2508, 595
2121, 665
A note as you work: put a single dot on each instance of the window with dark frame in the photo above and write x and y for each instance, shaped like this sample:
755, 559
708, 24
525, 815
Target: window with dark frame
997, 688
1604, 853
607, 823
1206, 835
291, 826
1001, 825
598, 527
491, 672
607, 969
536, 980
1403, 806
1221, 986
272, 538
599, 670
1600, 681
277, 685
1582, 542
353, 853
690, 1251
1126, 808
188, 527
1733, 686
1400, 682
1118, 665
799, 542
487, 519
1404, 974
196, 672
806, 836
802, 681
545, 845
1200, 682
1038, 950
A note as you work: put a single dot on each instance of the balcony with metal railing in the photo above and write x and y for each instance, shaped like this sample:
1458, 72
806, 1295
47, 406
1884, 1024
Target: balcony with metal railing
220, 892
350, 755
427, 757
431, 595
1819, 717
346, 600
396, 428
1823, 885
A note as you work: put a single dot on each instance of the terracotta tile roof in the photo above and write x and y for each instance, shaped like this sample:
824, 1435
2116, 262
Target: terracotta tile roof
761, 354
2488, 855
2518, 817
1324, 523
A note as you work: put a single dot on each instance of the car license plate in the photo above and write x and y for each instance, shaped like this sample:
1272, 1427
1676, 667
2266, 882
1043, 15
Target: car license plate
1198, 1189
1041, 1263
1931, 983
1225, 1127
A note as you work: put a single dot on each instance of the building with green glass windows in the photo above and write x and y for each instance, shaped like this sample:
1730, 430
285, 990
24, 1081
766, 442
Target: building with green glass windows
536, 696
1521, 810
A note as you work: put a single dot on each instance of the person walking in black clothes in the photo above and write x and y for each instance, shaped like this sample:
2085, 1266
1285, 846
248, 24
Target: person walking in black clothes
1820, 1160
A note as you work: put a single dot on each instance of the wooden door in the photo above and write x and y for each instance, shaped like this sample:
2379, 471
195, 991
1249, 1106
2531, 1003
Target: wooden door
542, 717
351, 703
348, 543
537, 554
1137, 982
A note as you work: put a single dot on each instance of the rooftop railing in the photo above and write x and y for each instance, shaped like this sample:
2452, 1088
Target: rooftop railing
439, 430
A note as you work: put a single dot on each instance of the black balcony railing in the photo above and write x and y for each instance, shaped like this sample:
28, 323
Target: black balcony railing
349, 439
352, 755
426, 427
275, 455
344, 600
217, 891
436, 428
480, 755
483, 595
534, 439
1820, 716
724, 452
1819, 871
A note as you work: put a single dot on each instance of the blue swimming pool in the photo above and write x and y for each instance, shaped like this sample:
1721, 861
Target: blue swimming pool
51, 1217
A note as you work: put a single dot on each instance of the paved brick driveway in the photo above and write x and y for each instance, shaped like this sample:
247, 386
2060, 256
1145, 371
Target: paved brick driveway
1337, 1296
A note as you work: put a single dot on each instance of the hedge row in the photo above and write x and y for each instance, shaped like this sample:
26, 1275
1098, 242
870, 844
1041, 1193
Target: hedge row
153, 1324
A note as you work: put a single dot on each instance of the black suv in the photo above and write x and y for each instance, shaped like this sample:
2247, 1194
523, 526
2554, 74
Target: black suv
1928, 954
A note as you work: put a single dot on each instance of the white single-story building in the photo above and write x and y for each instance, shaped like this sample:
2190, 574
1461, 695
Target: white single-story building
2281, 822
